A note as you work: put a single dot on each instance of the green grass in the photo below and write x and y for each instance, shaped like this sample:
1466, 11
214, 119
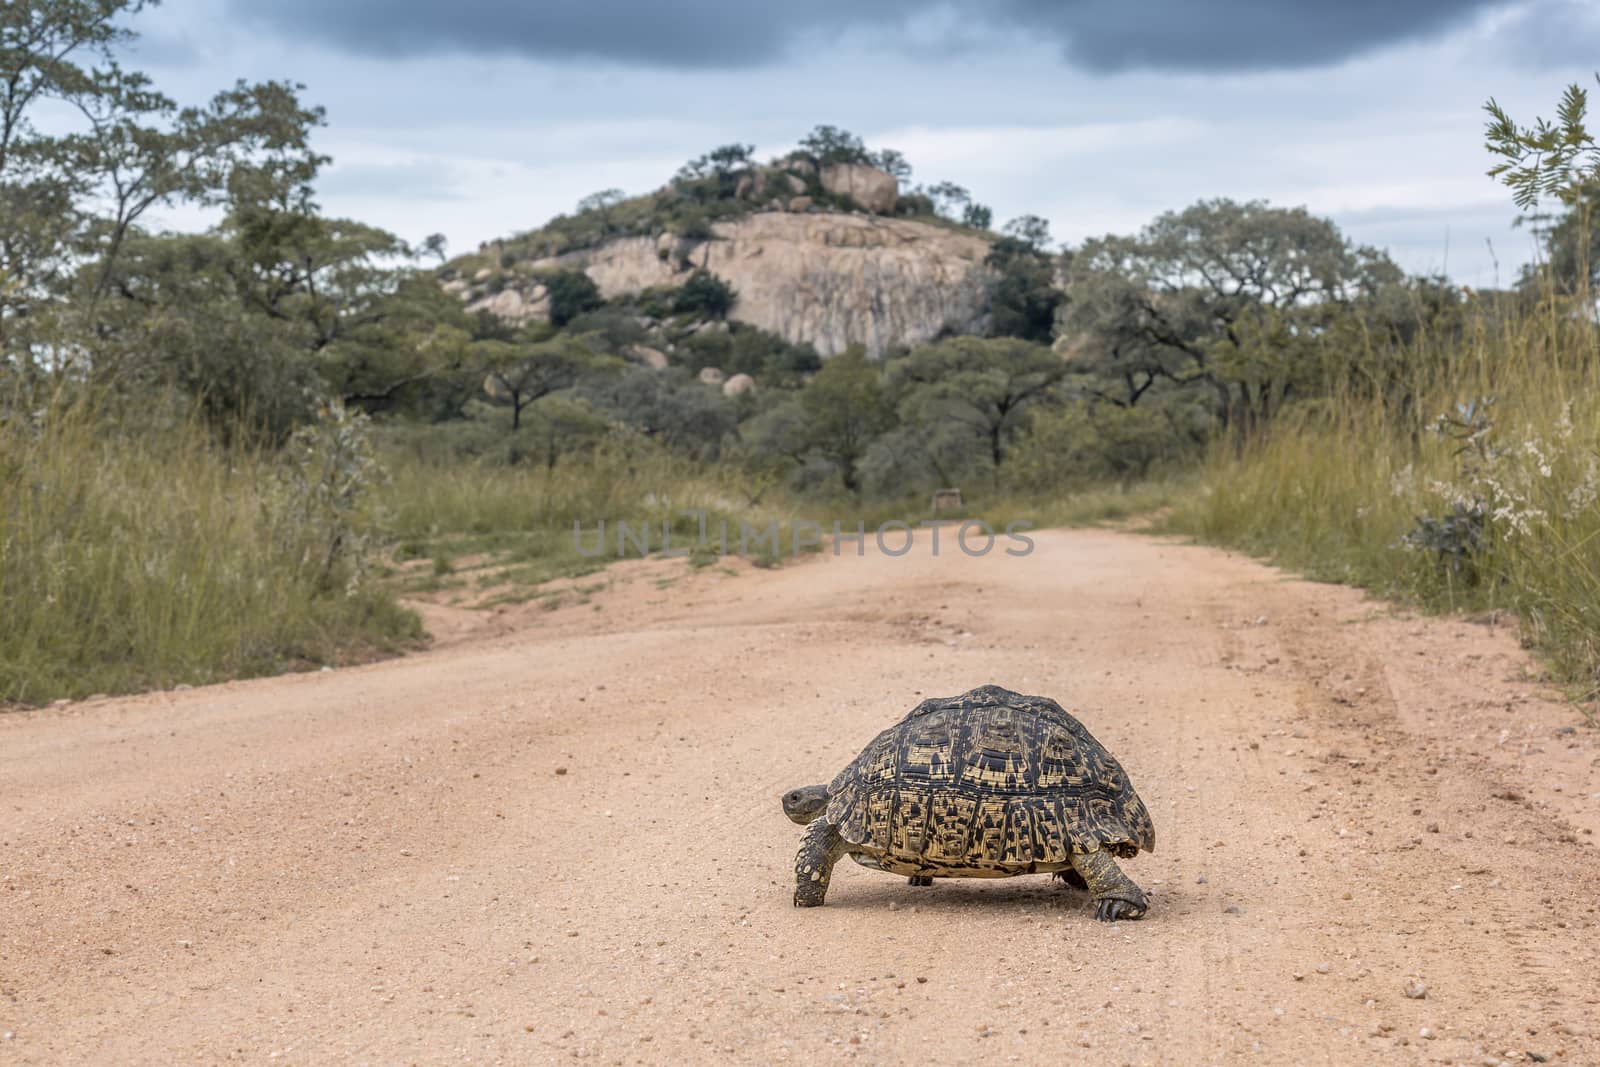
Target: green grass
144, 557
535, 524
1334, 491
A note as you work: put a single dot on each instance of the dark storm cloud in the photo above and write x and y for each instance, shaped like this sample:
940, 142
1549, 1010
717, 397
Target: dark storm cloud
1094, 34
1238, 35
667, 33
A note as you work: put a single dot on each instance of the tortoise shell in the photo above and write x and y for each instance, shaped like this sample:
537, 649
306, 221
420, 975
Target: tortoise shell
990, 782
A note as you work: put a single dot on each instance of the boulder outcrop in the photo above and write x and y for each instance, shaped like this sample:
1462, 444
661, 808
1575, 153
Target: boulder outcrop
870, 188
825, 279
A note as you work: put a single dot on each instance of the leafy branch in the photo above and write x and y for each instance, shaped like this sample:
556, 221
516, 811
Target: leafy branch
1548, 158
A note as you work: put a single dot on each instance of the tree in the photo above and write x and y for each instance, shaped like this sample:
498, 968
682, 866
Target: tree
776, 438
891, 162
248, 317
1191, 299
829, 144
1088, 442
181, 315
433, 246
70, 202
1031, 230
600, 205
42, 196
668, 407
704, 295
558, 426
601, 201
714, 176
572, 292
949, 199
923, 456
725, 159
746, 349
1024, 297
521, 372
845, 409
977, 216
985, 385
259, 319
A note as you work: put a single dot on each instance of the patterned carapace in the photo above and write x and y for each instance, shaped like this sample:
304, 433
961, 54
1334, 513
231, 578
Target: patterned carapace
990, 782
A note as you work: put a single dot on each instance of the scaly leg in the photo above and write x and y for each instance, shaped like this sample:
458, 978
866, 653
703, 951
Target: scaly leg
920, 879
1071, 877
820, 849
1116, 897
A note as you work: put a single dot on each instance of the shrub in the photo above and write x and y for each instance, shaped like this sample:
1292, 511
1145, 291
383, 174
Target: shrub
572, 292
704, 295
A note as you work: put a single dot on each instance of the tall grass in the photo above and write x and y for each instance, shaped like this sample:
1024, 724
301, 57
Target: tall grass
443, 506
139, 557
547, 519
1342, 490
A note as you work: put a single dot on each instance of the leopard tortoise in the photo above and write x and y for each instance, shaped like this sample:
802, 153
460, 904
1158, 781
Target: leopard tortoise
988, 784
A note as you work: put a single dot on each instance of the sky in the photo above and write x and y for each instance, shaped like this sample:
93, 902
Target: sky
482, 118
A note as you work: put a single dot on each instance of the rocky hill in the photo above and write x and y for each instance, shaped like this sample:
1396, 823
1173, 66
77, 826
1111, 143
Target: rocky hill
816, 255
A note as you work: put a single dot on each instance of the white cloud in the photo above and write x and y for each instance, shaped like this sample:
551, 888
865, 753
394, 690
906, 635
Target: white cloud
1389, 145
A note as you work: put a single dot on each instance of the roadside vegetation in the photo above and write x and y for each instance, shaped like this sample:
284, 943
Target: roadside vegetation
1469, 480
235, 452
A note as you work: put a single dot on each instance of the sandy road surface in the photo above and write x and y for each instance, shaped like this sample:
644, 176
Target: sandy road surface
387, 865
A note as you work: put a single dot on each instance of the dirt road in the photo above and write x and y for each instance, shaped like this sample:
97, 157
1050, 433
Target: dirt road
563, 840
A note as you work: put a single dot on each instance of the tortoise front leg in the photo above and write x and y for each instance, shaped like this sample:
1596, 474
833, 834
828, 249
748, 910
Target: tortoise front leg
1116, 897
820, 849
920, 879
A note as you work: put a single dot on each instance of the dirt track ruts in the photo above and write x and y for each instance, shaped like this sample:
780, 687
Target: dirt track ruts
563, 839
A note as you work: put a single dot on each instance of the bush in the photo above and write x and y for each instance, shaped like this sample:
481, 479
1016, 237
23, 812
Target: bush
1088, 442
704, 295
572, 292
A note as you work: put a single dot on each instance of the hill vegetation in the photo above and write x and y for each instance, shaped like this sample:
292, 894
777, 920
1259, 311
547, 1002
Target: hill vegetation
223, 451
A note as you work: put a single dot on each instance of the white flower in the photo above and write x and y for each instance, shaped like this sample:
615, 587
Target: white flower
1403, 481
1582, 496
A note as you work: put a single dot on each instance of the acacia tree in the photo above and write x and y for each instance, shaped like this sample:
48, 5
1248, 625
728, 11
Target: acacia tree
984, 385
1201, 293
522, 371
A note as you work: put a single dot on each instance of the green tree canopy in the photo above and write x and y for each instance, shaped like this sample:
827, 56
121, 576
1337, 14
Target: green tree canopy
984, 385
845, 407
572, 292
830, 144
1025, 297
704, 295
1184, 300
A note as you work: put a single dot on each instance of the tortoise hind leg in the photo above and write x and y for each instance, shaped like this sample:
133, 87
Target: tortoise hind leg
820, 849
920, 879
1115, 895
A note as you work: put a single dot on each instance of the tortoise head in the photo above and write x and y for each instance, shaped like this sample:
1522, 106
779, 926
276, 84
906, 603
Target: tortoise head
803, 805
